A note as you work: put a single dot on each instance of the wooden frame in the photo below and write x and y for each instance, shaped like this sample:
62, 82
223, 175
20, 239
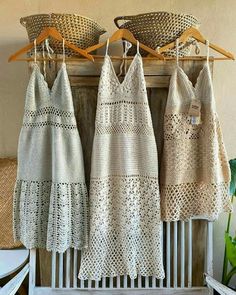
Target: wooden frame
178, 246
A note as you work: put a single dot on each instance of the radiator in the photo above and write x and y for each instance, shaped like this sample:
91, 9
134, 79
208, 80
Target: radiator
178, 260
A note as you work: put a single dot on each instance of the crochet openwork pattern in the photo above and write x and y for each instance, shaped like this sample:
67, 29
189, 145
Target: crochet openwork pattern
125, 227
195, 172
125, 236
50, 215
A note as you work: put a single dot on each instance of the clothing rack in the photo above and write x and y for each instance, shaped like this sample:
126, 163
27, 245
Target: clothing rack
157, 73
101, 57
187, 246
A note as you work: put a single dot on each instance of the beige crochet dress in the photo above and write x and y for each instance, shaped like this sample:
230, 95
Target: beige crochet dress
125, 227
195, 172
50, 199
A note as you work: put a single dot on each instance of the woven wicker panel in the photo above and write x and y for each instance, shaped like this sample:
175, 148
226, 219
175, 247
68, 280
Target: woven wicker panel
157, 29
78, 30
7, 181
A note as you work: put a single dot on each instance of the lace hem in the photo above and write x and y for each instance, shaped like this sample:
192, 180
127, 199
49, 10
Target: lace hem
184, 201
50, 215
111, 254
125, 228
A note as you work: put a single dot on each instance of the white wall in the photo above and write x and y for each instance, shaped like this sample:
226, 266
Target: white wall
218, 23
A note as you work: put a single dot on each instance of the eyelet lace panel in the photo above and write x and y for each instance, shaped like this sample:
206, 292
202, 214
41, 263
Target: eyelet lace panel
49, 110
49, 116
123, 113
50, 215
125, 231
124, 128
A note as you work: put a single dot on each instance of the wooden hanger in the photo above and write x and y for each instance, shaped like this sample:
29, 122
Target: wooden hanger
50, 32
128, 36
195, 33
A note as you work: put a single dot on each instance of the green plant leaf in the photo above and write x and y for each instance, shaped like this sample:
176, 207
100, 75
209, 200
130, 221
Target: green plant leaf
232, 164
230, 249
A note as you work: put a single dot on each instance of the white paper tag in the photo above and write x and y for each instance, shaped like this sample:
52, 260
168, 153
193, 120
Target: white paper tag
195, 111
195, 120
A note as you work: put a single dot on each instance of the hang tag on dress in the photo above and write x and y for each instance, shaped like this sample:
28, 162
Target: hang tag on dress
195, 111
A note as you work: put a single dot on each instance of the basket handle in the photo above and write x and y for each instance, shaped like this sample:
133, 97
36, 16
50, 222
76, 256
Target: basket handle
23, 21
127, 18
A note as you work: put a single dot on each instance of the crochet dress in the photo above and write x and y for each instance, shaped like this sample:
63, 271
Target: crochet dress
125, 228
195, 172
50, 199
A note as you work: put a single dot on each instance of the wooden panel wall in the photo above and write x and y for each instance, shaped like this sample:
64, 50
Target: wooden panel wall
84, 77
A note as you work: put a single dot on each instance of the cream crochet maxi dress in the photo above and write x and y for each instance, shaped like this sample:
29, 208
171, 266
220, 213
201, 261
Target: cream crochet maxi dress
50, 200
195, 172
125, 228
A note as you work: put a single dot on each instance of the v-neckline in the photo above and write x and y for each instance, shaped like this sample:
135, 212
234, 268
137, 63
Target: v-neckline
121, 84
194, 88
50, 91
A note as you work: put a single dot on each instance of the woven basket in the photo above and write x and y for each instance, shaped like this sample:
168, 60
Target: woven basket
157, 29
78, 30
7, 181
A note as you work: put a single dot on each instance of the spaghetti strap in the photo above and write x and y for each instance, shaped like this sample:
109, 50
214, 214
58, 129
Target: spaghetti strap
35, 51
107, 47
208, 51
138, 47
177, 52
63, 50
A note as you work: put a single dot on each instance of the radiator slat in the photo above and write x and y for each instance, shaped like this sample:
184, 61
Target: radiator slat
162, 247
175, 254
168, 254
139, 281
111, 282
82, 284
103, 282
118, 282
67, 268
53, 276
132, 283
190, 254
209, 248
96, 284
146, 282
61, 270
75, 268
182, 254
89, 284
153, 282
125, 281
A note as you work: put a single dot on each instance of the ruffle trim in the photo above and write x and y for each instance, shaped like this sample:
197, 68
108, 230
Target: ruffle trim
51, 215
